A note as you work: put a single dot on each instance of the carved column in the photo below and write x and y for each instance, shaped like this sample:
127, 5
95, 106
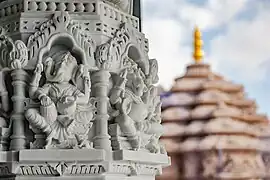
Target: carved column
18, 138
4, 125
100, 80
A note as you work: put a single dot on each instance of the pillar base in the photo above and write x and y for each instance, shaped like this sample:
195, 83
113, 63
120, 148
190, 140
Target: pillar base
80, 164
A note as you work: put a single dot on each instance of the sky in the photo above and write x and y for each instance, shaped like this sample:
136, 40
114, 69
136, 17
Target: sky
236, 35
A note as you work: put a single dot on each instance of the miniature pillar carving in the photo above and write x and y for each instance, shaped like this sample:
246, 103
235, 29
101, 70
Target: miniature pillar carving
18, 138
101, 83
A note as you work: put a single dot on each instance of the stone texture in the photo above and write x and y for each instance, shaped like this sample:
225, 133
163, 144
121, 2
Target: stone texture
78, 93
212, 130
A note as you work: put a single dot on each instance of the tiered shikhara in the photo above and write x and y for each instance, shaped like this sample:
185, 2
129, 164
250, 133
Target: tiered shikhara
78, 94
212, 131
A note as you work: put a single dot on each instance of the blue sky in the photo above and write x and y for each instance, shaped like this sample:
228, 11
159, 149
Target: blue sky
236, 36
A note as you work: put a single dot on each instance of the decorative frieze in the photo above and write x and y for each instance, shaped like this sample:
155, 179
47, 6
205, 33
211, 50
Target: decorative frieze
61, 168
5, 170
135, 169
9, 8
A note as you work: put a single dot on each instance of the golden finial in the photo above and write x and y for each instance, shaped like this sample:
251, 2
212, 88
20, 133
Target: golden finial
198, 44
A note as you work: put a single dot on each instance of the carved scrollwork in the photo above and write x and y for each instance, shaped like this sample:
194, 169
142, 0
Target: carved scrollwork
13, 54
123, 47
135, 169
60, 169
63, 25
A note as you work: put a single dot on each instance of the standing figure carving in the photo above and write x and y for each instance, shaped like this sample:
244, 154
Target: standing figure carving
65, 111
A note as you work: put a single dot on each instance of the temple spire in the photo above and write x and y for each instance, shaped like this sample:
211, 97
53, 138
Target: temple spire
198, 44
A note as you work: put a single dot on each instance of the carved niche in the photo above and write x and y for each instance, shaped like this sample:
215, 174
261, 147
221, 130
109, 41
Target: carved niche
135, 105
61, 30
60, 109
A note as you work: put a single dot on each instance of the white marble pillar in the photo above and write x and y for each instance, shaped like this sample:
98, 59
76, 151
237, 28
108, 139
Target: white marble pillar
100, 81
18, 138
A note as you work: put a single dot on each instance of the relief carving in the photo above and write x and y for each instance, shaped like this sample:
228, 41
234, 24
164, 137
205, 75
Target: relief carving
14, 57
123, 51
60, 168
65, 110
5, 170
14, 54
124, 5
135, 169
86, 169
5, 125
126, 96
62, 25
32, 170
139, 107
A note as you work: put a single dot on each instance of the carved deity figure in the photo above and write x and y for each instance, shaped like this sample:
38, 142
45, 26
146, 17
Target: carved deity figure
127, 98
65, 110
152, 124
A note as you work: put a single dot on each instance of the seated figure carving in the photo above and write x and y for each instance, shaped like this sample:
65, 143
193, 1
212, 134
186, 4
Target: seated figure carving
139, 110
152, 124
65, 111
126, 96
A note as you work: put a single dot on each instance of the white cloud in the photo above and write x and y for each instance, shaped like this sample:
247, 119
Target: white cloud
245, 47
165, 37
212, 14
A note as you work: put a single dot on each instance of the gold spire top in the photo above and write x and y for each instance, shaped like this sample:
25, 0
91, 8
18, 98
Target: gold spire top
198, 44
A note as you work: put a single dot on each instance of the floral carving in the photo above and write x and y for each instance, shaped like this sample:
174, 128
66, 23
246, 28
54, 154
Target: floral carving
115, 52
14, 54
61, 23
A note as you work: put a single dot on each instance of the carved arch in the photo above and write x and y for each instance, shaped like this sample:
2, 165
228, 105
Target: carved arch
61, 30
121, 49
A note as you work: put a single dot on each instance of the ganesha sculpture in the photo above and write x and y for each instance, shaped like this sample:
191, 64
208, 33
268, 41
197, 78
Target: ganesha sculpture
139, 113
64, 110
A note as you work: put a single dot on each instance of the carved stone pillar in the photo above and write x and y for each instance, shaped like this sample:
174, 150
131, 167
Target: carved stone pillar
100, 80
18, 138
62, 86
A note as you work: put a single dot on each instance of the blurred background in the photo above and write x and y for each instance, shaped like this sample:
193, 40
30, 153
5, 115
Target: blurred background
235, 34
214, 108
